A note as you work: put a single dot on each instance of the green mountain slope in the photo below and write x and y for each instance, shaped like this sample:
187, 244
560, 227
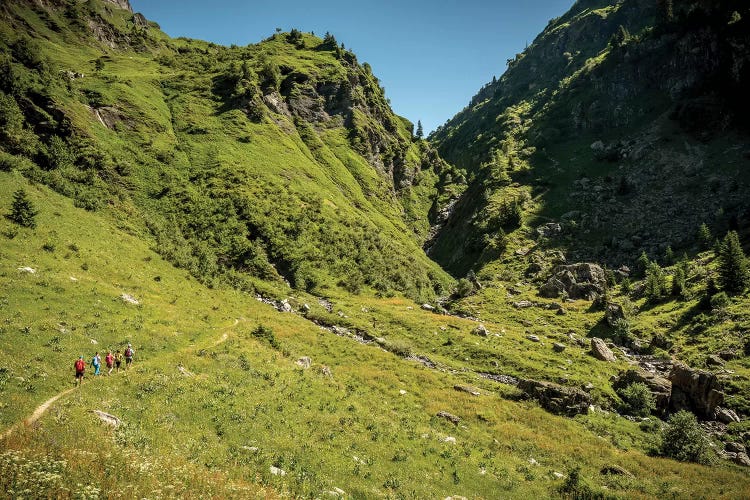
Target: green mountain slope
276, 161
620, 118
199, 202
213, 405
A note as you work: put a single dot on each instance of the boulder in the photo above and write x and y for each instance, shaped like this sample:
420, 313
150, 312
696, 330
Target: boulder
714, 360
523, 304
549, 230
735, 447
558, 347
600, 350
695, 390
556, 398
533, 338
615, 470
742, 459
304, 362
578, 281
726, 416
428, 307
480, 330
465, 388
614, 313
660, 387
449, 416
284, 306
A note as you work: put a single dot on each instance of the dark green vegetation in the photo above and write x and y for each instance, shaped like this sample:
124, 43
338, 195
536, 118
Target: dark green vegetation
162, 186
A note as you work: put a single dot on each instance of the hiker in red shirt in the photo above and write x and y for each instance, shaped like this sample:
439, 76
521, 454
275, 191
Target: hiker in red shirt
80, 366
110, 360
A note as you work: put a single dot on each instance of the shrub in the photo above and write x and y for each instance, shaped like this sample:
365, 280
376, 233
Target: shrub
637, 399
684, 440
576, 487
266, 334
464, 288
720, 301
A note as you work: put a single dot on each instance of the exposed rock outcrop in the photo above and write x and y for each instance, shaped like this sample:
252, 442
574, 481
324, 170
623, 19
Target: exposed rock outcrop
695, 390
577, 281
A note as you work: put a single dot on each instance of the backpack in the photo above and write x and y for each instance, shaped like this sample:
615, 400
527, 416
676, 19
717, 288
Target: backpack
128, 352
80, 365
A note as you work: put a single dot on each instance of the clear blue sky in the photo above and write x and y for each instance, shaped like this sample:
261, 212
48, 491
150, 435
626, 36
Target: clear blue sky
431, 56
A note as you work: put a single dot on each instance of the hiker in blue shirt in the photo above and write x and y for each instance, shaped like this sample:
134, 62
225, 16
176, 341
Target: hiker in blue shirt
96, 362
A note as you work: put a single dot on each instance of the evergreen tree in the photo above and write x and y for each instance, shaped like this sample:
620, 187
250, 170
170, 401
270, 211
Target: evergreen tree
678, 282
643, 263
733, 269
704, 237
22, 211
420, 131
669, 256
656, 283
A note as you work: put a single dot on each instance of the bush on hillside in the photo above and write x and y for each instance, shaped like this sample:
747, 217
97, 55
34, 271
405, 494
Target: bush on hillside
637, 400
683, 439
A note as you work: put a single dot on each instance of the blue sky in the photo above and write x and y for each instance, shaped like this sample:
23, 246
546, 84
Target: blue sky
431, 56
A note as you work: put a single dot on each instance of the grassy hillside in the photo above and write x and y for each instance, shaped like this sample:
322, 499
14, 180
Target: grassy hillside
212, 402
280, 161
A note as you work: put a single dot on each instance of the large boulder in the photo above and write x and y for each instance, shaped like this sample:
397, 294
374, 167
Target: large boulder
613, 314
695, 390
600, 350
556, 398
660, 387
578, 281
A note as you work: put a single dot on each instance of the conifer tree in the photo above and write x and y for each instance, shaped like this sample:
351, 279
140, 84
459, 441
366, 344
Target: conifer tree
22, 211
643, 263
420, 131
704, 237
733, 269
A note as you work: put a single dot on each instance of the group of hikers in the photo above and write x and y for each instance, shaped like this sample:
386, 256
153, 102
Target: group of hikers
113, 362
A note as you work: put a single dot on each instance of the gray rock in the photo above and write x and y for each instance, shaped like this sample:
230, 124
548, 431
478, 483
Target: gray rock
480, 330
613, 314
449, 416
533, 338
578, 281
305, 362
523, 304
735, 447
726, 416
695, 390
428, 307
549, 230
615, 470
285, 306
600, 350
714, 360
558, 347
742, 459
465, 388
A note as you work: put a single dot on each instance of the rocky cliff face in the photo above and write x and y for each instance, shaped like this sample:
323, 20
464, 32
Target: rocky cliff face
123, 4
623, 122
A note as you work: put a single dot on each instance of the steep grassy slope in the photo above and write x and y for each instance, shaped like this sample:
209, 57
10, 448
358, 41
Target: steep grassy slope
209, 406
277, 161
620, 118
